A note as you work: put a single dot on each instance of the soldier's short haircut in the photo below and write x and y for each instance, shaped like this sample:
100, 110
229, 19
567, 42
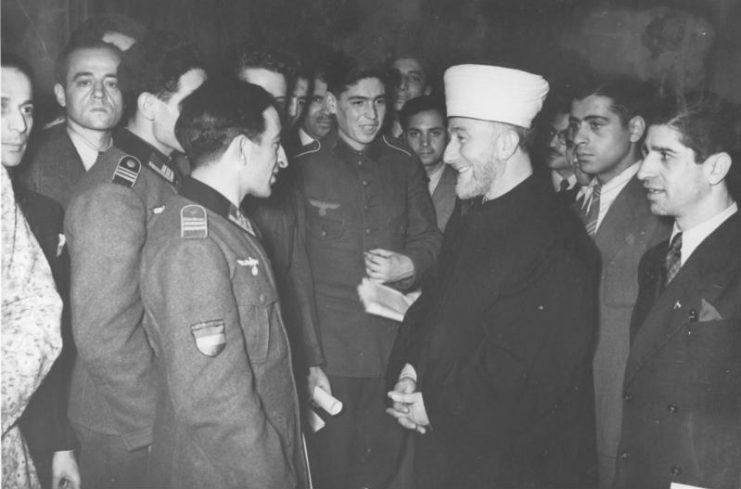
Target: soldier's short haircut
61, 66
11, 60
629, 97
250, 56
421, 104
155, 65
343, 71
217, 112
705, 123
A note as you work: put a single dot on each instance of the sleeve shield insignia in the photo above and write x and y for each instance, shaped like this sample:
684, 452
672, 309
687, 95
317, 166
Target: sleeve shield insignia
127, 171
193, 222
210, 337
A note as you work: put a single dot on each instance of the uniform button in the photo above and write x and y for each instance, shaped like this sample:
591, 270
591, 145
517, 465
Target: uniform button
262, 298
360, 163
368, 230
676, 470
672, 408
625, 455
366, 208
627, 397
365, 183
324, 233
692, 316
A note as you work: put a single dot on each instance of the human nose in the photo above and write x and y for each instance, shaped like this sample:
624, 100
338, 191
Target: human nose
646, 169
282, 158
577, 135
17, 122
450, 152
425, 140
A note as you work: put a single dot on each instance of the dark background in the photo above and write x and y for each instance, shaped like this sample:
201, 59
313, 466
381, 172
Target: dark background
687, 44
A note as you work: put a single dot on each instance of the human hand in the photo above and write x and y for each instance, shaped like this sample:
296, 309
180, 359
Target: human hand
64, 470
416, 417
387, 266
317, 378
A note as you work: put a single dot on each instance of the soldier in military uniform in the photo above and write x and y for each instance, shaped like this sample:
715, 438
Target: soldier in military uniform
368, 214
227, 411
112, 395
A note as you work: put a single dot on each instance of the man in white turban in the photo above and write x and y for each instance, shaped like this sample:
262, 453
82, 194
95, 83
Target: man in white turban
491, 369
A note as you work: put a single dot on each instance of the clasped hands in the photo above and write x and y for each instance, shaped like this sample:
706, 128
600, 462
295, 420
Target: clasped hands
408, 405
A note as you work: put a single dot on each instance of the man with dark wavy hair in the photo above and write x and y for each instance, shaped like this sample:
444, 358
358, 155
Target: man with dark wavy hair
113, 386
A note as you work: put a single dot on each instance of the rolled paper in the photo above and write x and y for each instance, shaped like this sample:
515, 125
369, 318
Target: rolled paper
326, 401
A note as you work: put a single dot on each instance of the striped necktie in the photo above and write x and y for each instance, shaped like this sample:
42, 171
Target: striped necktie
592, 212
673, 260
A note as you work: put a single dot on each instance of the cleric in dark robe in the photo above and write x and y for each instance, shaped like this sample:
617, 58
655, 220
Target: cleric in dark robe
492, 367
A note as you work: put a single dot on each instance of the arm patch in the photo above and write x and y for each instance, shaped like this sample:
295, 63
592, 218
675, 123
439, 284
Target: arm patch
193, 222
127, 171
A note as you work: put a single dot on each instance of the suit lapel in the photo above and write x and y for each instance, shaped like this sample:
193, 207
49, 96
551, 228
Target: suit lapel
705, 275
620, 221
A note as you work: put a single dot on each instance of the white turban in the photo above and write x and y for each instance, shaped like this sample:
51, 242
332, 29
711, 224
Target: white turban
493, 93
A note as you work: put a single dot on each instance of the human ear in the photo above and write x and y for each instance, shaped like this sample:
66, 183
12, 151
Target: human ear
716, 167
636, 128
60, 95
145, 104
331, 103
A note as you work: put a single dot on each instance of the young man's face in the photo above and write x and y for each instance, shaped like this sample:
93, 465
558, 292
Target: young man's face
317, 121
412, 81
17, 115
556, 157
360, 111
166, 113
471, 152
91, 95
273, 82
266, 157
426, 136
604, 145
298, 100
676, 184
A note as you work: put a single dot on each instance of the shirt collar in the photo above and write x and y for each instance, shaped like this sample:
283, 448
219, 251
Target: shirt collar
304, 137
556, 178
212, 199
693, 237
147, 154
621, 179
337, 144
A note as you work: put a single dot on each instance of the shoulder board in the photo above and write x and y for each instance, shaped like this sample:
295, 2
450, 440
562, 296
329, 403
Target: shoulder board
396, 146
312, 147
193, 222
127, 171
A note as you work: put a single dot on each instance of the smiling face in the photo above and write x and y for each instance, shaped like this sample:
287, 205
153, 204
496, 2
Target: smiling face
426, 136
604, 144
317, 121
360, 111
91, 95
167, 113
412, 81
17, 115
265, 157
677, 185
471, 152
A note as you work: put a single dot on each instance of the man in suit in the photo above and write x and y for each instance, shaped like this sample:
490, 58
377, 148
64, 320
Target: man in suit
87, 88
425, 131
607, 127
492, 366
113, 389
682, 392
227, 412
412, 81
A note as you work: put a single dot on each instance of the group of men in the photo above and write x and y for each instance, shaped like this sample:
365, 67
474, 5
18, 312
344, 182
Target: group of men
562, 339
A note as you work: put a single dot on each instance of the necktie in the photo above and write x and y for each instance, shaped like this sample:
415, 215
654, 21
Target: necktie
564, 186
592, 212
673, 260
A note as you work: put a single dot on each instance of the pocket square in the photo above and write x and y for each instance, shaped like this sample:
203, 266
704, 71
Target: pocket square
708, 312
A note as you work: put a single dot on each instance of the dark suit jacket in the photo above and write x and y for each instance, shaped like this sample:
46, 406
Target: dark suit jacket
682, 393
443, 198
502, 343
626, 232
53, 167
44, 423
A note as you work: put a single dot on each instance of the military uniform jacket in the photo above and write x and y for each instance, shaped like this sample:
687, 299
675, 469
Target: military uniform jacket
501, 340
113, 382
53, 166
354, 202
682, 393
227, 415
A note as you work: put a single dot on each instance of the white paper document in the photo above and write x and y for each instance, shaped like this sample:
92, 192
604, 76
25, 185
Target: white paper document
382, 300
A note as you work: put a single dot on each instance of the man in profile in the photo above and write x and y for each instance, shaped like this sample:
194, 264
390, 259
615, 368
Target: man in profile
227, 413
492, 367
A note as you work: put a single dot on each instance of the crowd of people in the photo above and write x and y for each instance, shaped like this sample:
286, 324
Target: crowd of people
183, 247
